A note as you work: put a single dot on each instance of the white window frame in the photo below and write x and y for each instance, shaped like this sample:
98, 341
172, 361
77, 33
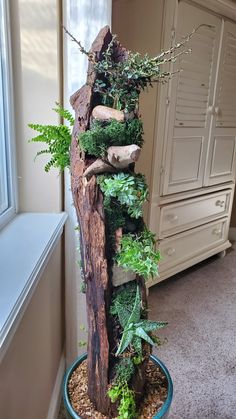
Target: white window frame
8, 190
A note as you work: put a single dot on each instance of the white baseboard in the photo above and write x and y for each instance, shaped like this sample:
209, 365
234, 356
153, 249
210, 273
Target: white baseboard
55, 402
232, 234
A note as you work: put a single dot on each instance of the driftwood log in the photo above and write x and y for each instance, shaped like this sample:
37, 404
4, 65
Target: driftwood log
88, 201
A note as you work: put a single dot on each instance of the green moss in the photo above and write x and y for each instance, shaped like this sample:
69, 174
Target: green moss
114, 219
124, 296
101, 136
124, 371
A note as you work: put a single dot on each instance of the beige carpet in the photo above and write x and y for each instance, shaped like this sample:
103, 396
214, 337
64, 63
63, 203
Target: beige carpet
200, 306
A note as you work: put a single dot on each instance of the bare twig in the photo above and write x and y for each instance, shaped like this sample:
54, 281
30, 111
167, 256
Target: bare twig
183, 42
174, 57
90, 55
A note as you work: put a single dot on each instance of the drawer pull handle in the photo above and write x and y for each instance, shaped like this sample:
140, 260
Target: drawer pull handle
211, 110
217, 231
170, 251
173, 217
220, 203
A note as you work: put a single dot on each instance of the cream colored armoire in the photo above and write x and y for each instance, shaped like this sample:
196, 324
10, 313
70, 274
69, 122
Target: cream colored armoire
194, 149
190, 124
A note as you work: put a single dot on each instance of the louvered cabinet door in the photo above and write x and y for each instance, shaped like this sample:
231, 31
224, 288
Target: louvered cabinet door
221, 157
190, 98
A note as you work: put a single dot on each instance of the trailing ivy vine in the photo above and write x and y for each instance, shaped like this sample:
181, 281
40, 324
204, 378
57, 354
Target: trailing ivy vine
137, 253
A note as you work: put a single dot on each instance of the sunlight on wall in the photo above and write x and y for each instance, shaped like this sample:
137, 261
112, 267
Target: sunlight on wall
36, 87
85, 19
38, 37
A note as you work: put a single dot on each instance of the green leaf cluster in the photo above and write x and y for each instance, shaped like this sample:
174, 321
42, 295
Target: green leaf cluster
127, 406
129, 190
65, 114
126, 79
96, 140
123, 302
57, 139
124, 371
120, 390
114, 219
138, 253
135, 328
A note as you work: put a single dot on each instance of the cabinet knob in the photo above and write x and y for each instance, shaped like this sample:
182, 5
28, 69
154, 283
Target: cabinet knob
220, 203
170, 251
211, 110
217, 231
172, 217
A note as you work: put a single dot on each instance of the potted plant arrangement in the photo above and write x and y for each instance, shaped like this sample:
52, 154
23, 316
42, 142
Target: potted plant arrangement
118, 251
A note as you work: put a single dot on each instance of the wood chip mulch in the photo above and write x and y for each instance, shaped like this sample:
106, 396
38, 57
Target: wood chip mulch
155, 389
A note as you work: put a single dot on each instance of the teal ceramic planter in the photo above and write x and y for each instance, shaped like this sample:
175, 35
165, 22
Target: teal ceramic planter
71, 414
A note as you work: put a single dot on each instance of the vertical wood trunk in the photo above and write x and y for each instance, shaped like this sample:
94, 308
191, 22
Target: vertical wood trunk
88, 201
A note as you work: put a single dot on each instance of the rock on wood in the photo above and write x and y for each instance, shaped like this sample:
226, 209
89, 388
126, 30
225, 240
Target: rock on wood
122, 157
104, 113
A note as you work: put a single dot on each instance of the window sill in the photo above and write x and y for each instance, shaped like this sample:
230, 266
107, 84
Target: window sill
25, 247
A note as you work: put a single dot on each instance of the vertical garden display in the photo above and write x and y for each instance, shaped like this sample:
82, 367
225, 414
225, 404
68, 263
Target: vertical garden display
118, 251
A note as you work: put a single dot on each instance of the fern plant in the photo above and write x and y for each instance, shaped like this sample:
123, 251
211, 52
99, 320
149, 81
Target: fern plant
57, 139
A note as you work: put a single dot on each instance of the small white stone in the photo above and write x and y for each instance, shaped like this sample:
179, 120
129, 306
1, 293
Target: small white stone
103, 113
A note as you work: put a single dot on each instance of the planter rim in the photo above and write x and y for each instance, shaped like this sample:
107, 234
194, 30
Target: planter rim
163, 411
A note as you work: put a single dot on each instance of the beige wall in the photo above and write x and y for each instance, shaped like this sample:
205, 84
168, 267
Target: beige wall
138, 25
29, 368
34, 31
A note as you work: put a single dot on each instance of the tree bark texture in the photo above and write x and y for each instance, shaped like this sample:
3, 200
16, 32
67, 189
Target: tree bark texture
88, 201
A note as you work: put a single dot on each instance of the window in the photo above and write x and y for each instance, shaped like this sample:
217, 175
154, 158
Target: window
7, 169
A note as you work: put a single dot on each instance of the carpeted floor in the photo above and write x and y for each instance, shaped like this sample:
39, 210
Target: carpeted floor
200, 306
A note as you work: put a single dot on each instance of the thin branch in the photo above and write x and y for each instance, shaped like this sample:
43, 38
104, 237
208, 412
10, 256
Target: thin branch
90, 55
165, 75
183, 42
174, 57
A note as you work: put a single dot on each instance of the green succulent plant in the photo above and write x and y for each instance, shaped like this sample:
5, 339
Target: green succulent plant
135, 328
129, 190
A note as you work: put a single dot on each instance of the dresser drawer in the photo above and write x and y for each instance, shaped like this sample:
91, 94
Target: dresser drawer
193, 242
193, 212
